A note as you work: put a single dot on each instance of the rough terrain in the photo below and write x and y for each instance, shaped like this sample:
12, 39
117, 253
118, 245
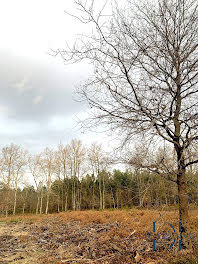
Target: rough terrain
91, 237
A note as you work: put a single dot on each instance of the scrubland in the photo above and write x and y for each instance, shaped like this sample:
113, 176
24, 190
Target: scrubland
117, 236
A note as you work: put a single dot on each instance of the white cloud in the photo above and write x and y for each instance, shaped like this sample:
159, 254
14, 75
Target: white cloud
37, 99
61, 123
14, 128
22, 85
31, 37
3, 110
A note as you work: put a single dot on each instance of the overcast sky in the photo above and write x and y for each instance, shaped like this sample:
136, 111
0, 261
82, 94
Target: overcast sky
37, 108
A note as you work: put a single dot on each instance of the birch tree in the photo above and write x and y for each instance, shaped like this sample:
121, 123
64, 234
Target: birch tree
76, 158
62, 156
97, 162
13, 159
34, 164
18, 171
47, 165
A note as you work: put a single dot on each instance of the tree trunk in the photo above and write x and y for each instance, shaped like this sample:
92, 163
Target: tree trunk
117, 199
47, 203
62, 200
103, 193
183, 198
41, 204
80, 196
93, 200
48, 189
100, 192
183, 205
66, 205
23, 208
8, 190
58, 207
74, 194
15, 199
66, 190
37, 205
113, 199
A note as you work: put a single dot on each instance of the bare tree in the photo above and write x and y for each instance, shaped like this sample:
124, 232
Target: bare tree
97, 160
34, 163
145, 59
76, 157
62, 159
13, 159
46, 163
18, 171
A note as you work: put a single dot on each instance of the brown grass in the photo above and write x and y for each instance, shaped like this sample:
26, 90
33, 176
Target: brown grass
130, 220
23, 218
134, 219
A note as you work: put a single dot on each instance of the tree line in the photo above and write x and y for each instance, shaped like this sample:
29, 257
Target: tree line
75, 177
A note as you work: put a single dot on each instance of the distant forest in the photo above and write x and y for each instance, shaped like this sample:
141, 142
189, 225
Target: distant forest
74, 177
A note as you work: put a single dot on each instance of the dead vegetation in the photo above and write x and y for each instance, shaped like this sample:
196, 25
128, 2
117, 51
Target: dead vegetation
91, 237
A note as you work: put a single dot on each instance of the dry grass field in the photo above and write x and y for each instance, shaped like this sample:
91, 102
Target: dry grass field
94, 237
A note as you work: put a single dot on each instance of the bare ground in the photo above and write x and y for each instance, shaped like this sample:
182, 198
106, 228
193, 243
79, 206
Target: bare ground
91, 237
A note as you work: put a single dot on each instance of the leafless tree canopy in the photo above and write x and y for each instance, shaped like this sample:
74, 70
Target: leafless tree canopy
145, 68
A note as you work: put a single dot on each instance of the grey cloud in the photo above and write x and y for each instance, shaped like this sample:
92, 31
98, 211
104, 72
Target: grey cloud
36, 91
32, 96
